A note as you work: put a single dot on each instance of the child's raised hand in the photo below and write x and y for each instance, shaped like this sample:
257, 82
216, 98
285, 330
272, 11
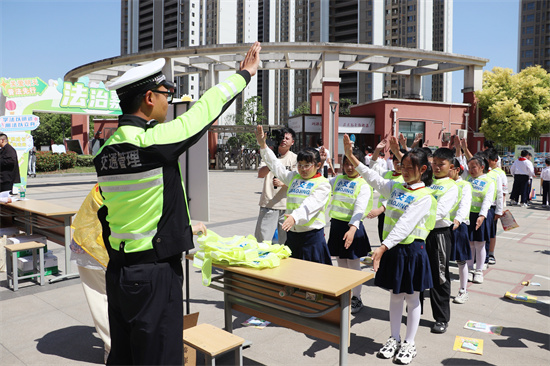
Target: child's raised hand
402, 140
348, 146
261, 137
382, 144
289, 222
394, 144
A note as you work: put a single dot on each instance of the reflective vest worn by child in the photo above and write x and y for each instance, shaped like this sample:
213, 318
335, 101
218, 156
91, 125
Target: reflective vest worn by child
298, 190
441, 186
398, 202
344, 194
480, 186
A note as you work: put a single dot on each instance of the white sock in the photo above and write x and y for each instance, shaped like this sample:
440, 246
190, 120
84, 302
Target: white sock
396, 313
463, 275
413, 316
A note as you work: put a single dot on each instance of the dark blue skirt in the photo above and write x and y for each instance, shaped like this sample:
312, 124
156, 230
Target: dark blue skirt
460, 250
492, 222
405, 268
309, 246
360, 246
481, 234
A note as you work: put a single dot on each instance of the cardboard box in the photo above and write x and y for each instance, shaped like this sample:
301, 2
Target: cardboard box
24, 264
25, 239
189, 353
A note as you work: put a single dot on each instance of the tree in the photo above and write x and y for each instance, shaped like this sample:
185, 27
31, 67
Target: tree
252, 113
343, 106
301, 109
53, 126
515, 107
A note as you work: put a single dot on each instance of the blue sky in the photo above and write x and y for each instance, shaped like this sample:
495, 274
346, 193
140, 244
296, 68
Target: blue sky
48, 38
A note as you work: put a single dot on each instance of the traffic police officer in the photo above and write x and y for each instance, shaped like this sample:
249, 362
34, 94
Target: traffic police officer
145, 218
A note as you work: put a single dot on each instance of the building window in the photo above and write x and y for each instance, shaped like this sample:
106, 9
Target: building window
528, 41
529, 30
529, 53
410, 129
411, 39
530, 6
411, 18
410, 29
529, 18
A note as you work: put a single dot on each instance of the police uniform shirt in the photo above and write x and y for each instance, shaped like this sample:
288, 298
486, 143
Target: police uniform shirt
361, 203
410, 218
311, 206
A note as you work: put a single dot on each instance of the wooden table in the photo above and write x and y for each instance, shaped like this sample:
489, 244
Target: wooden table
48, 219
279, 296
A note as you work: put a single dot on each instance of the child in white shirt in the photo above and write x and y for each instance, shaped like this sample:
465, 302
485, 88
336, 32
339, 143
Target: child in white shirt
307, 196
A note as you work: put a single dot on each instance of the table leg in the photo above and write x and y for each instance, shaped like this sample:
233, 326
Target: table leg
227, 307
67, 235
344, 326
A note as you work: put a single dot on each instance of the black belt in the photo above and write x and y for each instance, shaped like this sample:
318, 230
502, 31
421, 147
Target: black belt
148, 256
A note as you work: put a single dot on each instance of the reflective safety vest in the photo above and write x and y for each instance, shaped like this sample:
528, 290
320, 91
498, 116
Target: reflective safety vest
494, 176
460, 184
145, 205
441, 186
480, 186
344, 194
298, 190
390, 175
398, 202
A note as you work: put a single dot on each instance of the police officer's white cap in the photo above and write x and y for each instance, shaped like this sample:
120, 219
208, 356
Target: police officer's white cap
140, 79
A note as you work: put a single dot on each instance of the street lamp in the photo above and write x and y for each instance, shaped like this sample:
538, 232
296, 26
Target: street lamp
333, 105
394, 110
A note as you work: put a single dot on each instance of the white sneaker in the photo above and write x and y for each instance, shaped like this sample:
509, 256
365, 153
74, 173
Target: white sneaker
406, 353
462, 297
470, 276
525, 205
390, 348
356, 304
513, 203
478, 277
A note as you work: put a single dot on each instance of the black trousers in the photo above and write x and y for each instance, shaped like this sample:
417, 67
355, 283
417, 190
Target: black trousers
546, 192
438, 247
145, 313
520, 187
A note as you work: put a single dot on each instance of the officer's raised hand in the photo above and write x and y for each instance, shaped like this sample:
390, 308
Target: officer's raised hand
252, 59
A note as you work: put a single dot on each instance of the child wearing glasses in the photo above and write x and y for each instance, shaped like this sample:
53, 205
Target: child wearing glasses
348, 240
307, 196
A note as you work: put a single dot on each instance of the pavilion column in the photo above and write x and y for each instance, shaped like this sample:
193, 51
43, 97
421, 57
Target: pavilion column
473, 81
413, 87
330, 92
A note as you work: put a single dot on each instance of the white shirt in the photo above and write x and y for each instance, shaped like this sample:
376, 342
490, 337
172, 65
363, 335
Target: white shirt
445, 204
311, 205
545, 173
465, 203
367, 159
360, 205
523, 167
499, 200
389, 163
410, 218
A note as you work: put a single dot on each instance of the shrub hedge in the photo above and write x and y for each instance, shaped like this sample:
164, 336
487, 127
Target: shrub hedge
84, 160
46, 161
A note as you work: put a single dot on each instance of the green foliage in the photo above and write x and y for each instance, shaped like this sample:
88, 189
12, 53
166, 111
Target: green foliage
303, 108
515, 107
343, 106
252, 113
84, 160
46, 161
52, 127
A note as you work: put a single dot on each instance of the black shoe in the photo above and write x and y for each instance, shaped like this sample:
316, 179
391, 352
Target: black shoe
439, 327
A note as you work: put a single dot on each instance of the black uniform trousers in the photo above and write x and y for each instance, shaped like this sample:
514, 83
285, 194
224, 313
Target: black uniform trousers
520, 188
438, 247
145, 312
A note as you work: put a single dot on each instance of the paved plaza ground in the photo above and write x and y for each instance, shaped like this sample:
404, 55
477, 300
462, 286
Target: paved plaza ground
52, 325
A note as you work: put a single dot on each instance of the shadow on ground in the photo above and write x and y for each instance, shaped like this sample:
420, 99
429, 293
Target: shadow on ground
76, 343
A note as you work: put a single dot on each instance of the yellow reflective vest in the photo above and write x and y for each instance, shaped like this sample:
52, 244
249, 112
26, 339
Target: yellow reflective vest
344, 194
398, 202
298, 190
